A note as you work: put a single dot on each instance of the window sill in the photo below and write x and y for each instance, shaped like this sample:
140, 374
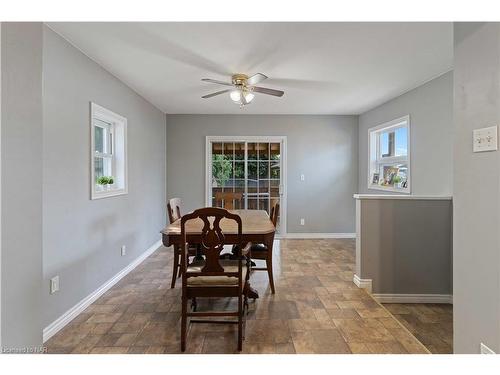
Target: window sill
391, 189
107, 194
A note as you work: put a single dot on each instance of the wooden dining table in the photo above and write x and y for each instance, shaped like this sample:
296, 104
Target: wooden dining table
256, 228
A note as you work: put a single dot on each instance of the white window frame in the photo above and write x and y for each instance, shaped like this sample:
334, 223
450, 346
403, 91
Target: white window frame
374, 159
250, 139
118, 124
109, 131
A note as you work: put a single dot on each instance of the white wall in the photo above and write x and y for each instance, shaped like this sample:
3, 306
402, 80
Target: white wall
430, 107
476, 185
323, 148
82, 237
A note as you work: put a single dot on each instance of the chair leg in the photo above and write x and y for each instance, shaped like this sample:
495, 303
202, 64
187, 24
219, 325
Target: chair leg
184, 323
240, 323
245, 302
245, 306
269, 266
177, 267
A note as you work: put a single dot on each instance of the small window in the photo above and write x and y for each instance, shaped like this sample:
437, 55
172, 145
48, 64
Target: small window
108, 153
389, 156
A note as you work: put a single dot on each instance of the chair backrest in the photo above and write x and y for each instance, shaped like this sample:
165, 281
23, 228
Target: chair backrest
174, 209
275, 210
211, 240
227, 199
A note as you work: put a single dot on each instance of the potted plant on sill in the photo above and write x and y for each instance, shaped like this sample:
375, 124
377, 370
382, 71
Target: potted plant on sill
397, 182
105, 182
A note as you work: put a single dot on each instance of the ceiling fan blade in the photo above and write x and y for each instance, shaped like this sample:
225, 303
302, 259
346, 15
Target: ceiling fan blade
256, 78
215, 93
264, 90
216, 81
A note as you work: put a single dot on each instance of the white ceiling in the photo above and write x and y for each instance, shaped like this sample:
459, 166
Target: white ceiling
324, 68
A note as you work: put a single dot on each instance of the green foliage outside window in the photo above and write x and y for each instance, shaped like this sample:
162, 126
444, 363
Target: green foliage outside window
221, 169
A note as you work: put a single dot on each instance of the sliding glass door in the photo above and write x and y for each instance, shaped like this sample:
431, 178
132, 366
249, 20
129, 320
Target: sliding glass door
246, 173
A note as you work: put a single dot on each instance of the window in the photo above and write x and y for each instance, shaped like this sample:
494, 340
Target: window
389, 156
108, 153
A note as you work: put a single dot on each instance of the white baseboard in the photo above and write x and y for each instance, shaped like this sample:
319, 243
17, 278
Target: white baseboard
413, 298
363, 283
318, 235
486, 350
72, 313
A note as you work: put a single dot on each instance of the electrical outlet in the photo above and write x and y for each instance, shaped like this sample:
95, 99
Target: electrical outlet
302, 221
302, 177
124, 250
54, 284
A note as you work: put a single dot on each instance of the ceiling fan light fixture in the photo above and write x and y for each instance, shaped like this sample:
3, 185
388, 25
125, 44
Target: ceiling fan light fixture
249, 97
235, 96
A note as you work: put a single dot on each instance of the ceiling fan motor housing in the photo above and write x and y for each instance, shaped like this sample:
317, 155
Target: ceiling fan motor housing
239, 79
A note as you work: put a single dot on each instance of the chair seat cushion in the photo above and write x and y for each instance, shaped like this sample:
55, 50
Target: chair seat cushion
211, 281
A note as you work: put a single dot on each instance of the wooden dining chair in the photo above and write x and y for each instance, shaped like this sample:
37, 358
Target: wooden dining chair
261, 252
227, 199
214, 277
174, 214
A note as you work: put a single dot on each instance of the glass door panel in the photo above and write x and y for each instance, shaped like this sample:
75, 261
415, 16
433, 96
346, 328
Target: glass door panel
246, 175
216, 169
252, 176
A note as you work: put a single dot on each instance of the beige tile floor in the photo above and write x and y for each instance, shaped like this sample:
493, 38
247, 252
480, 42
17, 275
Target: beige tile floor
316, 309
431, 324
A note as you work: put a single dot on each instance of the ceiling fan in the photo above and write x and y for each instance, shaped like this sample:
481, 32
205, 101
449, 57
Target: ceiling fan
243, 88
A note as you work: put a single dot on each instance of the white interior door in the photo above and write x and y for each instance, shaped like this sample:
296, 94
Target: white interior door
247, 173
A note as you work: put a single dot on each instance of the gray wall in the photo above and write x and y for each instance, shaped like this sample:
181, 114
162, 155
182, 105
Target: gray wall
405, 246
430, 107
21, 184
323, 148
82, 238
476, 189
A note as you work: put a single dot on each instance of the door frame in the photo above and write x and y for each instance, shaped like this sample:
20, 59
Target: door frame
253, 138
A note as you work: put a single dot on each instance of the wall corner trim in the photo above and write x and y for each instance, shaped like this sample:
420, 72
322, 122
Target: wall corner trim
363, 283
304, 236
413, 298
73, 312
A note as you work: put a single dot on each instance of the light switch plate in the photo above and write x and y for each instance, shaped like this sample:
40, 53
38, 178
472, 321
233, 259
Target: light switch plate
54, 284
485, 139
